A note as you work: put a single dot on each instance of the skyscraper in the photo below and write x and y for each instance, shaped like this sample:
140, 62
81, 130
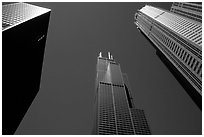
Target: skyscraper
190, 10
114, 110
178, 38
24, 32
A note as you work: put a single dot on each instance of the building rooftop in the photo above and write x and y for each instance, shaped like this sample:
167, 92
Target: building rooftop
16, 13
186, 28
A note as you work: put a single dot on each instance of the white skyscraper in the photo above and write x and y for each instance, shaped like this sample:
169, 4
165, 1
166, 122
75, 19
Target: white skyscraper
178, 38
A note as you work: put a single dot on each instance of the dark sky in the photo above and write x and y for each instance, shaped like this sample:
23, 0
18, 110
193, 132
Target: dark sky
77, 33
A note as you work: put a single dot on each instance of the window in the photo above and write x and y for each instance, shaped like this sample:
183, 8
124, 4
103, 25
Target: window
184, 31
187, 57
198, 39
165, 40
179, 28
184, 22
177, 48
193, 26
193, 63
181, 52
190, 60
196, 28
191, 33
199, 69
171, 46
170, 42
180, 40
193, 37
199, 42
196, 65
184, 55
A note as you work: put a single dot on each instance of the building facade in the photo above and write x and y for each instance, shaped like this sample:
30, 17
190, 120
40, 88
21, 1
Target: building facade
24, 32
189, 10
114, 110
178, 38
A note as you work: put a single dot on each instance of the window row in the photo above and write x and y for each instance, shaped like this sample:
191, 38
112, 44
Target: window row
183, 22
143, 133
107, 125
195, 34
146, 17
143, 26
180, 40
190, 26
179, 4
174, 24
125, 131
196, 66
106, 132
186, 28
188, 14
193, 78
194, 6
190, 8
181, 53
144, 22
106, 118
123, 126
106, 115
193, 18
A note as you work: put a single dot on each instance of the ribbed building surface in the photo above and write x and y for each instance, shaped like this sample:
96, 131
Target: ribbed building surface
115, 113
188, 9
177, 37
16, 13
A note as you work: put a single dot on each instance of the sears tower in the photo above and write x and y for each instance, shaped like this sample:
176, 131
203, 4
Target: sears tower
114, 110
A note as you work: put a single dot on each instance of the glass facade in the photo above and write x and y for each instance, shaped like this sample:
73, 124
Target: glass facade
188, 9
114, 110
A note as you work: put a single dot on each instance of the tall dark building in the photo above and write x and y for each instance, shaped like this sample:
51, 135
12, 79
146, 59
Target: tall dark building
179, 41
24, 32
114, 110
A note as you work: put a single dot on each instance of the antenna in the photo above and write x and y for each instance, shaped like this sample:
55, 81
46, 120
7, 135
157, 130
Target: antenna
100, 55
109, 55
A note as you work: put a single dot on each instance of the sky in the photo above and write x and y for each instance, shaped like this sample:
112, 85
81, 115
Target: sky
77, 33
